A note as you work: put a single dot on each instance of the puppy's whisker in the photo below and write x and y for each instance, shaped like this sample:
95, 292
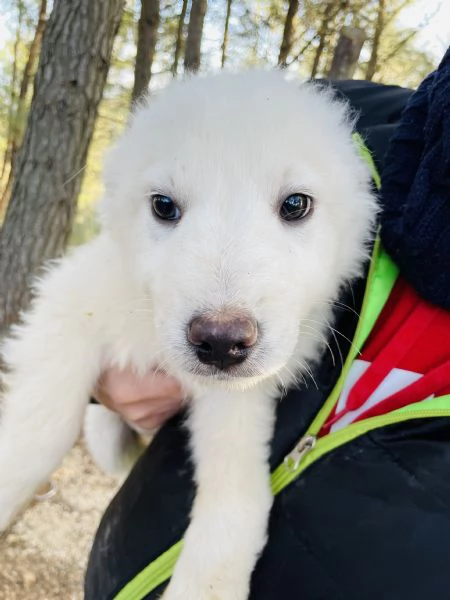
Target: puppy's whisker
296, 377
282, 385
338, 304
338, 346
320, 338
345, 338
351, 289
334, 332
304, 365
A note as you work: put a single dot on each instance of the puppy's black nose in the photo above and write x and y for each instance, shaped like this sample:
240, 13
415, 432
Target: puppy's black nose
222, 340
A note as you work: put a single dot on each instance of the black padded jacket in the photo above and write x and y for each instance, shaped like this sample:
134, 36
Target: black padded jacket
368, 521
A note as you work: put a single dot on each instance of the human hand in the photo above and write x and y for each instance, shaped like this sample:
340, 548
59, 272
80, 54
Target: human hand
145, 402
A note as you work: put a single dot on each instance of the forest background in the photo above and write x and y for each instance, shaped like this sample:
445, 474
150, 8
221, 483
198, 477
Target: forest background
70, 71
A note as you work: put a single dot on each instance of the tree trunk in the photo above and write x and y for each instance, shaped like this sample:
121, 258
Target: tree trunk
346, 54
225, 33
373, 61
74, 61
288, 37
323, 33
179, 40
146, 44
194, 37
19, 118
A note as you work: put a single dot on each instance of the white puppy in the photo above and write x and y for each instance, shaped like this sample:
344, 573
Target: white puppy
236, 206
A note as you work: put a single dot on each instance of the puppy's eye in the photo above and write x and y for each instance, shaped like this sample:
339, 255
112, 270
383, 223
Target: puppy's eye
296, 207
164, 208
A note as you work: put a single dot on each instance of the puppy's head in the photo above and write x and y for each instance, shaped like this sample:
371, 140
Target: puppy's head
242, 205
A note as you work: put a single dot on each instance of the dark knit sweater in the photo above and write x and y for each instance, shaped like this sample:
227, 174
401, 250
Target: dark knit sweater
416, 189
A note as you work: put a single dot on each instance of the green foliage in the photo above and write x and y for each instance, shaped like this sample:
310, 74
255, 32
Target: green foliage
20, 19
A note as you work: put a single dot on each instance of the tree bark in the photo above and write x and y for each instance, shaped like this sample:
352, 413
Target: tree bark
373, 61
179, 40
146, 44
74, 61
225, 33
19, 117
347, 53
192, 54
288, 33
33, 54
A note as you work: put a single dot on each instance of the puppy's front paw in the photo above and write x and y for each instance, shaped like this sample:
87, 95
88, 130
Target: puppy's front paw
209, 593
8, 511
16, 492
8, 508
203, 588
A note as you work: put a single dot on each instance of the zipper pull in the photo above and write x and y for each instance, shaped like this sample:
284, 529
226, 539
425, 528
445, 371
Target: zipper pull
294, 458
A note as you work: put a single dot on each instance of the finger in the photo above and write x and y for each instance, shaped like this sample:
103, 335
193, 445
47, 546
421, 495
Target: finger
152, 422
125, 387
148, 409
156, 384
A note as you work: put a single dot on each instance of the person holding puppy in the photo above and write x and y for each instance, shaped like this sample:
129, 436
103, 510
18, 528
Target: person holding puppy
371, 518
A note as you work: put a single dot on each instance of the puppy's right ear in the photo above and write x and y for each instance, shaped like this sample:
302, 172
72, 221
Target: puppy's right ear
120, 165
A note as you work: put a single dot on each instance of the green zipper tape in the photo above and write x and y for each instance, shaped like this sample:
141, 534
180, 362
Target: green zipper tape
380, 281
381, 278
283, 475
153, 575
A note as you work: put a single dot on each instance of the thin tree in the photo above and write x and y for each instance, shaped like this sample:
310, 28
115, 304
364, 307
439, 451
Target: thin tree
74, 62
20, 111
146, 44
322, 35
288, 33
13, 92
179, 40
192, 54
225, 33
379, 27
326, 27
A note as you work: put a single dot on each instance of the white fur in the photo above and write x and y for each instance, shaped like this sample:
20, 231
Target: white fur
113, 444
229, 149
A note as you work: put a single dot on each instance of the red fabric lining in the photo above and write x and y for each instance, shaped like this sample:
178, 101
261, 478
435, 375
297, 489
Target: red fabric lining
410, 334
398, 347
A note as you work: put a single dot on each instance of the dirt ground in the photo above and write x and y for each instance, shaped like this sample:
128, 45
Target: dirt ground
44, 554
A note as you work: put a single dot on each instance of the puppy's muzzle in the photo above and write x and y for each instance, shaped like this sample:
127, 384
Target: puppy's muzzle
222, 339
